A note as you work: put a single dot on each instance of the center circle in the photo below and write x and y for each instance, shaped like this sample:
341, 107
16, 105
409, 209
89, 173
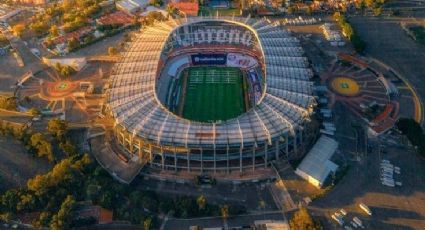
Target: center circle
62, 86
345, 86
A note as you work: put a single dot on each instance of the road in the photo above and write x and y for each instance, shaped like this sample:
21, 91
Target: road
211, 222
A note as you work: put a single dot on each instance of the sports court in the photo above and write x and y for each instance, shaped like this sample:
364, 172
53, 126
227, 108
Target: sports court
212, 93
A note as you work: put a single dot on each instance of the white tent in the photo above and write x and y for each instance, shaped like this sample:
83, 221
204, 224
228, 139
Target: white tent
316, 166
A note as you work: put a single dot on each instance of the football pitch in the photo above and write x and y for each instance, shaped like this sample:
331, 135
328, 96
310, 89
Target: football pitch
213, 93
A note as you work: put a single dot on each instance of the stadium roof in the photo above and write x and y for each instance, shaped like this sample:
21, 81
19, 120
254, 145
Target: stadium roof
316, 166
284, 105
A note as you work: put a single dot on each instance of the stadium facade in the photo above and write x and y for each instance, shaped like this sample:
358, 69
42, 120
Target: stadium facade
143, 94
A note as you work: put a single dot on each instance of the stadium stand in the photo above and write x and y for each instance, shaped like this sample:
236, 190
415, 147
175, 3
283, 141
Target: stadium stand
142, 81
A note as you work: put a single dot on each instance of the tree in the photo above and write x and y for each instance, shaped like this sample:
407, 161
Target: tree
156, 3
201, 201
42, 146
73, 44
45, 149
377, 11
34, 112
43, 220
9, 200
62, 171
66, 71
27, 202
112, 51
147, 223
291, 9
171, 10
57, 128
18, 30
414, 132
63, 218
8, 103
54, 31
303, 221
68, 148
224, 212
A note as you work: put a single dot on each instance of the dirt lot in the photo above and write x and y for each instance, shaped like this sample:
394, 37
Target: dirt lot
16, 165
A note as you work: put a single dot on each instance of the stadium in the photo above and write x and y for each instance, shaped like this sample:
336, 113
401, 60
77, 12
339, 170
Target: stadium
211, 95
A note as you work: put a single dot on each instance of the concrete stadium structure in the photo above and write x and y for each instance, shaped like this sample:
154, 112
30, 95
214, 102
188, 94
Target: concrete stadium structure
271, 129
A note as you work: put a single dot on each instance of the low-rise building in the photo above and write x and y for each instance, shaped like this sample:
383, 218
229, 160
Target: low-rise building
187, 8
116, 18
75, 63
127, 6
317, 166
101, 215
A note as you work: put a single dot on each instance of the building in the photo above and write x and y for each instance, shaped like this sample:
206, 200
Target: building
76, 63
101, 215
128, 6
317, 166
33, 2
187, 8
271, 225
116, 18
278, 93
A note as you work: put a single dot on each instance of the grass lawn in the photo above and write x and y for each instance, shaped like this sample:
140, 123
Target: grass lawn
207, 11
213, 94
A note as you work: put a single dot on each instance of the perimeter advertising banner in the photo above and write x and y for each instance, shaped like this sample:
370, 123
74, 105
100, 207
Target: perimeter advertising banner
241, 61
256, 85
209, 59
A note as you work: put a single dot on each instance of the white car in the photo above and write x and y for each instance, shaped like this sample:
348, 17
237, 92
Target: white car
358, 222
387, 178
365, 208
388, 174
339, 221
387, 167
389, 184
385, 161
387, 171
386, 164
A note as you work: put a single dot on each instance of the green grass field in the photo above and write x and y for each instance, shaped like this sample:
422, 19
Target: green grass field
213, 93
207, 11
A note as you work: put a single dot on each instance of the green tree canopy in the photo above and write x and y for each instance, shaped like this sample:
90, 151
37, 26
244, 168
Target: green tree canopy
57, 128
303, 221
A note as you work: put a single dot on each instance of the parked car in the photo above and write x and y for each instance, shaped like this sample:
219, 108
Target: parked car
338, 220
365, 208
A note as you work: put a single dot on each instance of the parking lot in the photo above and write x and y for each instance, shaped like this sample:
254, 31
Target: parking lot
387, 42
392, 207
